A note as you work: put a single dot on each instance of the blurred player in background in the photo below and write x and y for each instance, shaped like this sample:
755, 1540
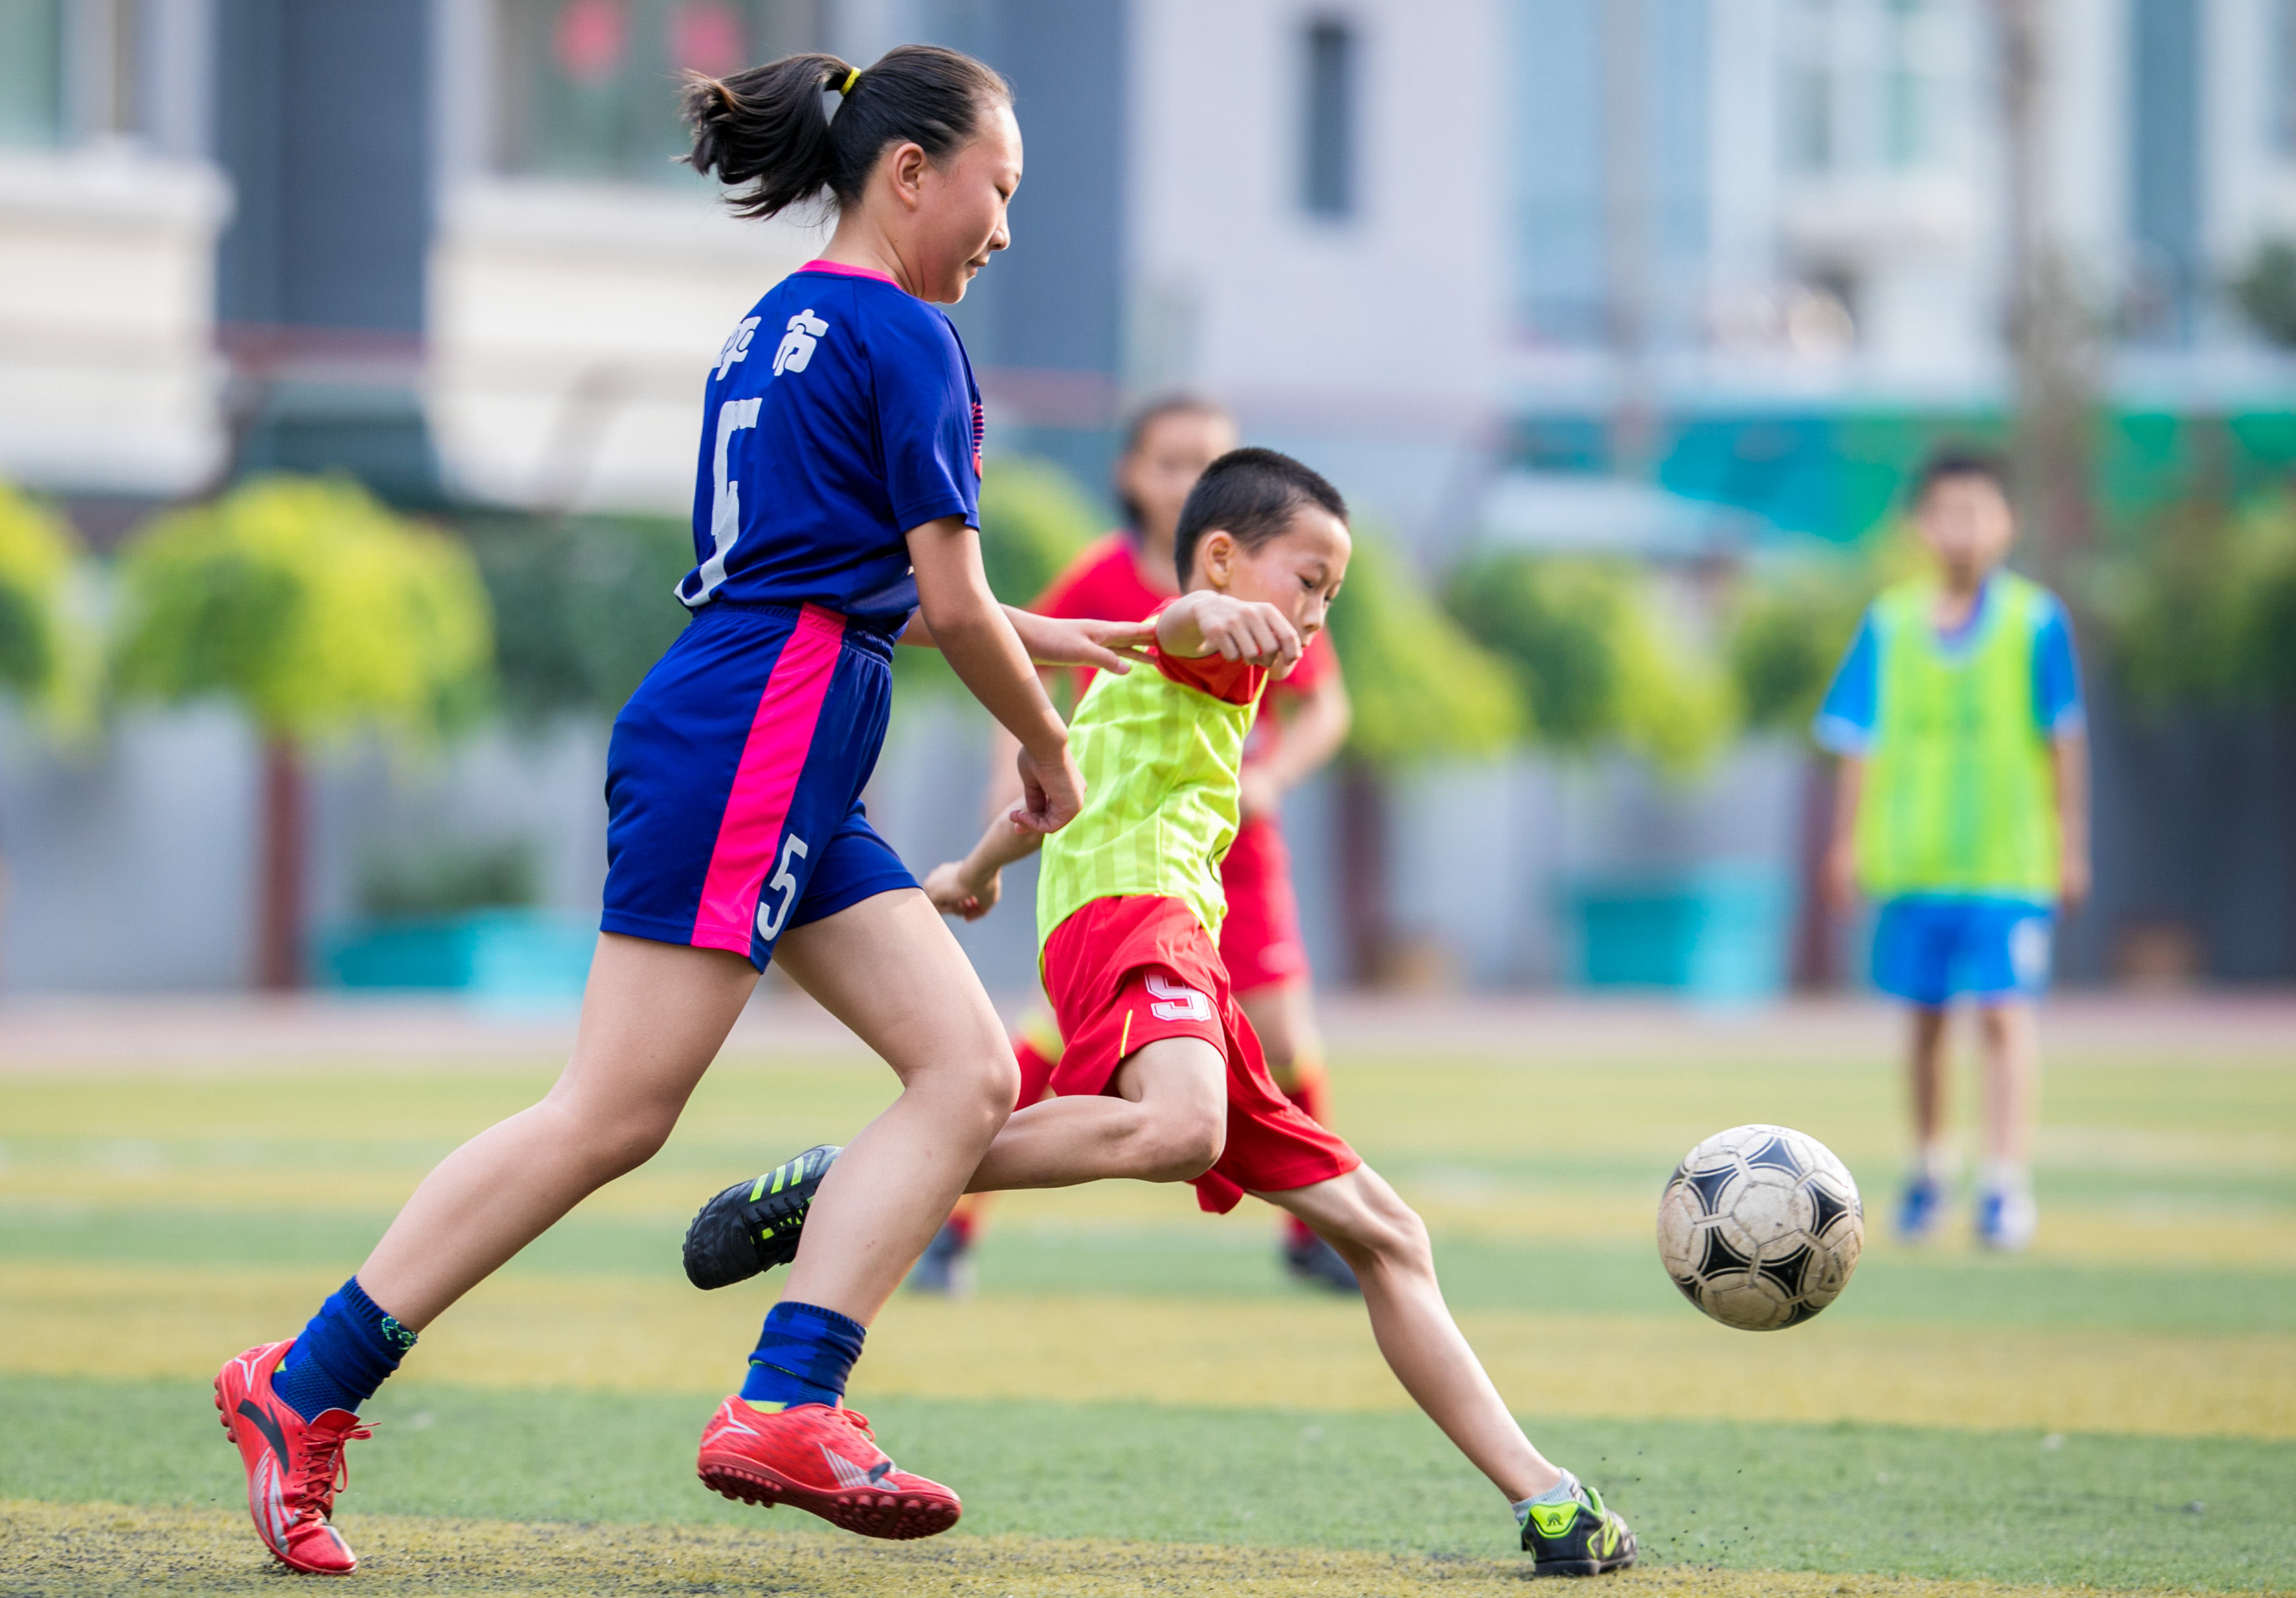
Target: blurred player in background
1963, 809
1124, 578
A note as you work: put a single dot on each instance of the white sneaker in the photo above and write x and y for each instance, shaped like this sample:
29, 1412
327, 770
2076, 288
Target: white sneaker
2007, 1218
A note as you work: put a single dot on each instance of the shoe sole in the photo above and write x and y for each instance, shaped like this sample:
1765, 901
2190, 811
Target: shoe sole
223, 1414
1580, 1567
897, 1517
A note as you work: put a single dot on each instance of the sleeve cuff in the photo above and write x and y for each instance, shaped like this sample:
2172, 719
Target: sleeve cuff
1842, 736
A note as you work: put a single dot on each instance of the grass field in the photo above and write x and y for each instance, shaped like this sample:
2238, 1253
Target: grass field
1135, 1401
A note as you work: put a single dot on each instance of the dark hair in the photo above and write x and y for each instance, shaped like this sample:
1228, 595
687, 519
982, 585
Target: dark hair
1956, 460
767, 126
1136, 430
1252, 494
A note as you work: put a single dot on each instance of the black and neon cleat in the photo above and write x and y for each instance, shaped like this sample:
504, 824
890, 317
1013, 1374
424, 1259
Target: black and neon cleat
1580, 1539
753, 1226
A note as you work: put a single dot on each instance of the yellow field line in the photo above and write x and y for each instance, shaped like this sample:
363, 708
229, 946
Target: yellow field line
100, 1549
660, 1336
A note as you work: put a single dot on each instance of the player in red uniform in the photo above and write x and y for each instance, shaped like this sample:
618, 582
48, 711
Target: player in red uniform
1124, 577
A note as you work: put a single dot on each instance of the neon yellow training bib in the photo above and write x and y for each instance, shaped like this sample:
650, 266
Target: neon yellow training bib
1161, 805
1960, 793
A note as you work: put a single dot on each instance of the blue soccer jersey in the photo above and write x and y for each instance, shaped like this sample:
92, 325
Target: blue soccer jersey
841, 412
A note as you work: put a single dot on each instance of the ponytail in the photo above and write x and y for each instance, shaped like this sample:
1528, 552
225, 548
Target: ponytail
768, 127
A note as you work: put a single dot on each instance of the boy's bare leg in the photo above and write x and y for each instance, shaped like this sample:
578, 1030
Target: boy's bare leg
1384, 1239
2012, 1037
1167, 1121
1930, 1079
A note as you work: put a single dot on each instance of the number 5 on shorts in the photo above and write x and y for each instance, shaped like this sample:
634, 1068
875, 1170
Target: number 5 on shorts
769, 926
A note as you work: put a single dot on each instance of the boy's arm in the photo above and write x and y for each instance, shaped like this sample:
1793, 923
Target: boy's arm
2068, 754
970, 888
1206, 622
1840, 877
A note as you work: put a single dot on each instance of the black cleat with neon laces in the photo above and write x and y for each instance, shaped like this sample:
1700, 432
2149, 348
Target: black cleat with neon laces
753, 1226
1576, 1539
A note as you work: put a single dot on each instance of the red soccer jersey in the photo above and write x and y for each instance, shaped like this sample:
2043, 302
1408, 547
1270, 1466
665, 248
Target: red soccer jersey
1103, 584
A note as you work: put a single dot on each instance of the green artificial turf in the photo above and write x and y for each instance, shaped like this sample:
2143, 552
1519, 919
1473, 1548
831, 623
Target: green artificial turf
2008, 1506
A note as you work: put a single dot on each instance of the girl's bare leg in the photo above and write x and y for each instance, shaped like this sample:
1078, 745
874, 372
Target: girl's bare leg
889, 968
653, 1017
1385, 1242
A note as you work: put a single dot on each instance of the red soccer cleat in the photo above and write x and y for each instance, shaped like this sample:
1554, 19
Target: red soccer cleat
825, 1462
294, 1466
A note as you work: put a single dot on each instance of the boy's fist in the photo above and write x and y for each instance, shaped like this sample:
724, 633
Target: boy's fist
953, 891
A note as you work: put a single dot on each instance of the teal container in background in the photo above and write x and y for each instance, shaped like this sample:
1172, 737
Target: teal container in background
513, 956
1716, 934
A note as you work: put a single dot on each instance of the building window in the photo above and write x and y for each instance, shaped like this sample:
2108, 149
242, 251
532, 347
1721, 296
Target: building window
1863, 84
2283, 67
1328, 132
589, 89
31, 72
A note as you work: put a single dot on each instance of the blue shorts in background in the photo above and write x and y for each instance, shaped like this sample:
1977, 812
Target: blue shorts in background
733, 781
1931, 950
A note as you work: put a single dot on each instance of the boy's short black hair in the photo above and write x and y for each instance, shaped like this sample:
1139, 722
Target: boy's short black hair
1252, 494
1957, 460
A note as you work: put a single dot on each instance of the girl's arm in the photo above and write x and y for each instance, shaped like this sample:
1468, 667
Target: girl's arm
1312, 735
1062, 640
970, 628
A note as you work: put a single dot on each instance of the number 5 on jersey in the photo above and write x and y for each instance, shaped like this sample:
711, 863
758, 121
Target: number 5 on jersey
773, 917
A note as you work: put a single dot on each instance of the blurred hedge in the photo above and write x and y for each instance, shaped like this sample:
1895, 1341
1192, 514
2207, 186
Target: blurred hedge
310, 605
47, 656
1596, 657
1421, 686
583, 607
2200, 609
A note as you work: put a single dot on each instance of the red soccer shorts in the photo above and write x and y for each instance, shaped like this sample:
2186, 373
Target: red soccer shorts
1123, 973
1260, 942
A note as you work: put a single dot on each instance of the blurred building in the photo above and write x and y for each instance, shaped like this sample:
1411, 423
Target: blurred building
447, 240
1753, 251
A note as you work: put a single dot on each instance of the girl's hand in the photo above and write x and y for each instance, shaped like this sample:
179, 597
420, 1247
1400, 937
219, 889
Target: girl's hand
1204, 623
1052, 792
1114, 646
955, 889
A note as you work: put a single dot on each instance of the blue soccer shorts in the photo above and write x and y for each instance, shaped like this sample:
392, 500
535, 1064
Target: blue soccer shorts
1932, 949
733, 781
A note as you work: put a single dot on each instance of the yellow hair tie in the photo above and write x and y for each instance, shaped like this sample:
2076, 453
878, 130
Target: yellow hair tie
852, 76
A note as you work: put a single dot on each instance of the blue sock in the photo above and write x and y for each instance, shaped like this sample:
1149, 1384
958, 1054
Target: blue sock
343, 1355
803, 1356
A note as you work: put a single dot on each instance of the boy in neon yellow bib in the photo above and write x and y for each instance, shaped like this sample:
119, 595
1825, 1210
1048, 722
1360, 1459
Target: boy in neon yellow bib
1161, 1078
1963, 808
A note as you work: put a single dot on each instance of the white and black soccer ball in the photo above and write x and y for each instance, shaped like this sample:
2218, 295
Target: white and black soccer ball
1760, 1226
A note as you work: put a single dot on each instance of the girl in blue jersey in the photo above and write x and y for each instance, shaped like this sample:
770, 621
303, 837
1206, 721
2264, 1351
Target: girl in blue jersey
837, 497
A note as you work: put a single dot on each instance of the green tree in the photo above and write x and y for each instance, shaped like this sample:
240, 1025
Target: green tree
583, 607
1421, 685
46, 657
1594, 657
2201, 608
318, 611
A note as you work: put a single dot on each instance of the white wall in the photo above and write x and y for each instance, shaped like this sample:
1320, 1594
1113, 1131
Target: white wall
109, 383
1372, 344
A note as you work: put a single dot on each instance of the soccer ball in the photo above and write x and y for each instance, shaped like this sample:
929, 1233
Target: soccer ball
1760, 1226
